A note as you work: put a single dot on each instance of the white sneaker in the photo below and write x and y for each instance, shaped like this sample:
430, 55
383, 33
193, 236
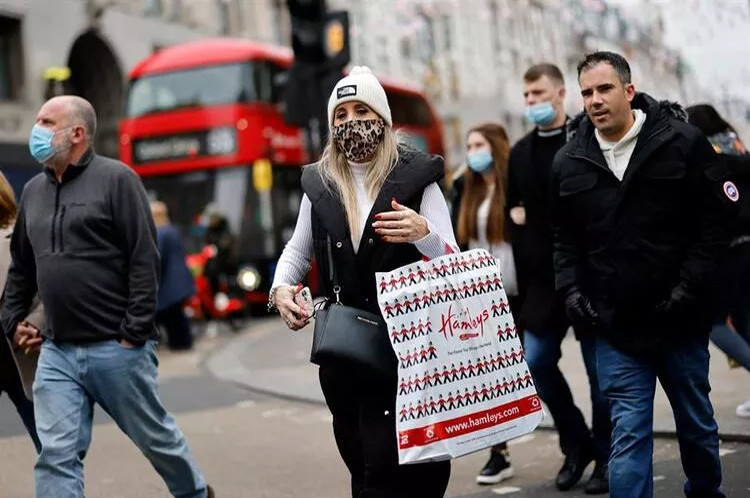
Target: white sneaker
744, 409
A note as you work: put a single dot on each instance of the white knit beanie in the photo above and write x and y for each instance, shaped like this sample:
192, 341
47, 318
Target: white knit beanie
360, 85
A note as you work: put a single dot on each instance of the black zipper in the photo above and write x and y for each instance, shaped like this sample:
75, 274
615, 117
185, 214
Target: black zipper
54, 216
62, 243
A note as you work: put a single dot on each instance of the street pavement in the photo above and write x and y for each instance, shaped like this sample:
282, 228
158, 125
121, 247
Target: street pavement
249, 405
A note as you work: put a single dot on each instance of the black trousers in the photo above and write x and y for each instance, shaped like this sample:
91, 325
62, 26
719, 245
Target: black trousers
364, 426
10, 383
178, 327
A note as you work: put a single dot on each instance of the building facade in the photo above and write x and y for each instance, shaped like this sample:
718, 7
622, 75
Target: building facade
99, 41
468, 55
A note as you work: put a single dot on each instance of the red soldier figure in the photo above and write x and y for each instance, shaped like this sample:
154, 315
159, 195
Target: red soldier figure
402, 414
420, 274
475, 395
392, 282
422, 355
425, 300
471, 369
446, 376
394, 336
441, 403
388, 309
432, 351
382, 285
451, 401
402, 387
401, 279
436, 378
407, 305
397, 307
527, 382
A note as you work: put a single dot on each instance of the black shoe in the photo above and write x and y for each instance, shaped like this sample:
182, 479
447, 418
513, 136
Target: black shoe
210, 492
497, 469
575, 463
599, 481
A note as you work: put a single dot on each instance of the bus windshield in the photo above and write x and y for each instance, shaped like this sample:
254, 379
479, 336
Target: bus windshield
203, 86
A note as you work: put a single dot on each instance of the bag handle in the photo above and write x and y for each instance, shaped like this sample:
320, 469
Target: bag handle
332, 272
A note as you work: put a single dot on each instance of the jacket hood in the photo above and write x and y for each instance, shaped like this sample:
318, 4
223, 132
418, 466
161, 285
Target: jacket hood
653, 108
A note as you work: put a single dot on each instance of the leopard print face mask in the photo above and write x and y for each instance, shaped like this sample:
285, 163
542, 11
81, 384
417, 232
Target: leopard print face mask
358, 139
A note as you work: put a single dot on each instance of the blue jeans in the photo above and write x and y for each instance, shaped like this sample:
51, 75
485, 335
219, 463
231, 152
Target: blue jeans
629, 383
69, 380
543, 354
732, 343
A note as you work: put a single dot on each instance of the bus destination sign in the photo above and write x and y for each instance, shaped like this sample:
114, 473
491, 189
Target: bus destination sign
213, 142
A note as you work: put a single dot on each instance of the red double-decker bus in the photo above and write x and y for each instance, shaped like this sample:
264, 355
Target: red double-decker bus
203, 127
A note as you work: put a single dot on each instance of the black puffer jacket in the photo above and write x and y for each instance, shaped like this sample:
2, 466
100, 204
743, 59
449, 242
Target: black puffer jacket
628, 243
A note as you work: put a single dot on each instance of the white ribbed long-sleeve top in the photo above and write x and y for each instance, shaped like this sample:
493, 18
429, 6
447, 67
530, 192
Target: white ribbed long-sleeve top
298, 253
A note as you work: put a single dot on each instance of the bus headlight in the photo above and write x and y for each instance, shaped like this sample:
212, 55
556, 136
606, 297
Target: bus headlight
221, 141
248, 278
221, 301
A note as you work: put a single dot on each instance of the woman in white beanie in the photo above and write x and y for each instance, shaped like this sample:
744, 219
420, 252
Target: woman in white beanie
370, 205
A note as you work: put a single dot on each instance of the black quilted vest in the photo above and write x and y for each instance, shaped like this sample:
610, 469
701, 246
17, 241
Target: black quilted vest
356, 272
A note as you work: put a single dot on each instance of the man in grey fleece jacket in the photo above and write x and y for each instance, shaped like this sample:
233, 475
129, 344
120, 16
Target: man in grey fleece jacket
85, 241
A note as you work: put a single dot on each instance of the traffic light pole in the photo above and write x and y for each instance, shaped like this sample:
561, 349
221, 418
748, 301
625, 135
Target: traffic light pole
320, 41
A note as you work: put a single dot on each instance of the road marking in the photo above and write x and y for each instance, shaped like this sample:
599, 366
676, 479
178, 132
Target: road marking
246, 404
506, 490
274, 412
726, 451
659, 478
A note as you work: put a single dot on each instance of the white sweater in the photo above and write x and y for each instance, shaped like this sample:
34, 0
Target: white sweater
298, 253
618, 154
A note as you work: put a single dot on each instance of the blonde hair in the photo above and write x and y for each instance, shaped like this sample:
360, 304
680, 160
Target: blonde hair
337, 176
8, 208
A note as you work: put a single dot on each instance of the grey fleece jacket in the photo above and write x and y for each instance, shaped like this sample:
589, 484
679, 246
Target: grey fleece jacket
88, 245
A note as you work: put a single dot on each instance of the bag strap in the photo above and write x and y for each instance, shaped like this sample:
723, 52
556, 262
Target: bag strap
332, 272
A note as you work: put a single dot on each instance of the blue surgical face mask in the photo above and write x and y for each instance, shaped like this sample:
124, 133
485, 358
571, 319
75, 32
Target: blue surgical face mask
479, 161
40, 143
540, 114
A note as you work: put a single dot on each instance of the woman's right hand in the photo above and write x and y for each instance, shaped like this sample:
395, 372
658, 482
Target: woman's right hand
294, 316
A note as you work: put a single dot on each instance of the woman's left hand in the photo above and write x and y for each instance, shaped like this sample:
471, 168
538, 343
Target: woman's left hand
402, 225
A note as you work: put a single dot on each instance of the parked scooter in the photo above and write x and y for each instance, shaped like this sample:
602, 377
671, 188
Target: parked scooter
208, 305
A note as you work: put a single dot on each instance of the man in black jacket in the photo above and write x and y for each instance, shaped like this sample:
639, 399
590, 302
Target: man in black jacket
84, 239
542, 315
639, 215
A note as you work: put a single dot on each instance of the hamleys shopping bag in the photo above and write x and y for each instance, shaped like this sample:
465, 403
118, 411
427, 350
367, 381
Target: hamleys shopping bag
463, 382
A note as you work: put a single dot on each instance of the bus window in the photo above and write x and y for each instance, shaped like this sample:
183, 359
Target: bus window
409, 110
205, 86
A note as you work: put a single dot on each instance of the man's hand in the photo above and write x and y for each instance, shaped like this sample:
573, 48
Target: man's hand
518, 215
126, 343
28, 338
679, 300
579, 308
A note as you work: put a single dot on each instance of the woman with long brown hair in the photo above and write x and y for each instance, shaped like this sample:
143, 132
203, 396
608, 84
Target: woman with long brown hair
18, 390
479, 215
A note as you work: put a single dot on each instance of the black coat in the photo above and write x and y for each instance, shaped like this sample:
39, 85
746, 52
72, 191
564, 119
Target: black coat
356, 271
541, 308
629, 243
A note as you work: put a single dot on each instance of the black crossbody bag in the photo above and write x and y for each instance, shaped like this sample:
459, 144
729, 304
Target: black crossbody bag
345, 335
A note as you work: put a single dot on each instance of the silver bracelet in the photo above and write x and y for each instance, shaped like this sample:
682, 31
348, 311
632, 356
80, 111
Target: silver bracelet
271, 300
